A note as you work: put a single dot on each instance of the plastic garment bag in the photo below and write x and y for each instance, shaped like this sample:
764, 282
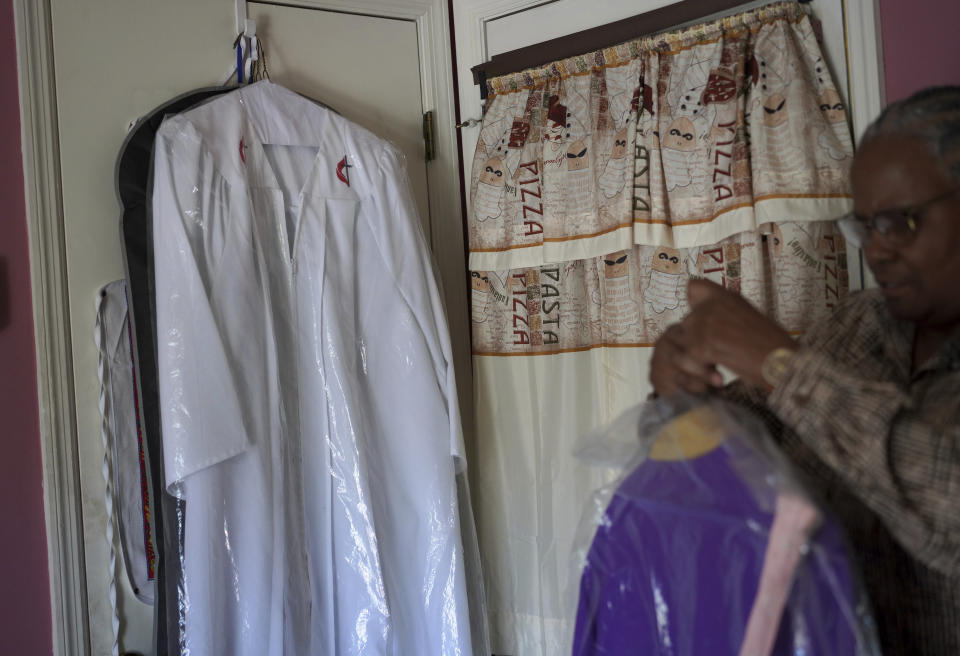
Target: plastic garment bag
307, 392
708, 545
134, 187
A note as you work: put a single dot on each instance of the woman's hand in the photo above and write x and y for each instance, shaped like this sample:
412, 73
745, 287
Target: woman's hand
721, 329
676, 367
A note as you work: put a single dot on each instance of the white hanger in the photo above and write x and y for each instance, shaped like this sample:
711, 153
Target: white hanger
247, 40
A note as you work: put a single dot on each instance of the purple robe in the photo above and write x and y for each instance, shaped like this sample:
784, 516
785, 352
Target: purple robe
674, 567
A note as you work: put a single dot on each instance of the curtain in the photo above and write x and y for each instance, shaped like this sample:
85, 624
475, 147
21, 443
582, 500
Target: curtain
601, 184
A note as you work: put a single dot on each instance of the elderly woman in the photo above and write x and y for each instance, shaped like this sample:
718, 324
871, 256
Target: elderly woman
867, 403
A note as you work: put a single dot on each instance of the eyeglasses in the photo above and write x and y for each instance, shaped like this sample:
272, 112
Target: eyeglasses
897, 226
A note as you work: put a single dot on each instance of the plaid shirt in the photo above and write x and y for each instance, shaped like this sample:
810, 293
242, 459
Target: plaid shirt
882, 446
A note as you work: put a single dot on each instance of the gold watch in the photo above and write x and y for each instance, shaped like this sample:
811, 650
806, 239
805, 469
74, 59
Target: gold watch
775, 365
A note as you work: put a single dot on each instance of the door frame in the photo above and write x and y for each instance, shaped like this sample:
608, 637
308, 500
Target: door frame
70, 619
864, 62
70, 626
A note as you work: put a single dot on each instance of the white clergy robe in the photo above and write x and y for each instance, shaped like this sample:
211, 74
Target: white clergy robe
309, 409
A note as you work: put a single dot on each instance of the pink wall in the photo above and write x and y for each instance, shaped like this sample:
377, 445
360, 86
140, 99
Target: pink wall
25, 591
920, 44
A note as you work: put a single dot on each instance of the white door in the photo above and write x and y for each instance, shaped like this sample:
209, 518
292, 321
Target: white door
483, 29
376, 63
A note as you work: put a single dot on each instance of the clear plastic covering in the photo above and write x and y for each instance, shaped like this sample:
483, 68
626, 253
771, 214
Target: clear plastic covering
708, 544
309, 410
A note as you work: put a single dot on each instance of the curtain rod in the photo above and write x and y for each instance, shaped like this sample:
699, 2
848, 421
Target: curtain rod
603, 36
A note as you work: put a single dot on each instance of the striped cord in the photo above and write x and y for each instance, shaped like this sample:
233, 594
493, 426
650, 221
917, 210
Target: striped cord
106, 470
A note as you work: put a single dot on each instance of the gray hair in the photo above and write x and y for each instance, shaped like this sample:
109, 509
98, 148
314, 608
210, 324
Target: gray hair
931, 116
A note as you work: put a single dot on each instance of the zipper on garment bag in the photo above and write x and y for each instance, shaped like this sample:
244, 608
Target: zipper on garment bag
280, 216
297, 229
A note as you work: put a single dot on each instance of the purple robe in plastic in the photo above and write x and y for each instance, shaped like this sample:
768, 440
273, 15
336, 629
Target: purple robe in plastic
673, 569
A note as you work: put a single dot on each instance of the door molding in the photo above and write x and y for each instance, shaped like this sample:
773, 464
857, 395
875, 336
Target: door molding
51, 318
470, 18
48, 270
864, 62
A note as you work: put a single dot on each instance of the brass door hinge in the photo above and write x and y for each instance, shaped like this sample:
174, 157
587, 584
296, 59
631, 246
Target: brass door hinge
429, 144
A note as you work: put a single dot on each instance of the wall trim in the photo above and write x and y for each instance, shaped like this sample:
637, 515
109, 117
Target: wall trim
864, 62
51, 314
866, 92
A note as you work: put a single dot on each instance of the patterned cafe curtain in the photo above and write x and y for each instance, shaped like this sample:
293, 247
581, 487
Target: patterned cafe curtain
601, 184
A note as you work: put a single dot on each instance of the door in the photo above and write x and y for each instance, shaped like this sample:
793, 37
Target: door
533, 488
115, 61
